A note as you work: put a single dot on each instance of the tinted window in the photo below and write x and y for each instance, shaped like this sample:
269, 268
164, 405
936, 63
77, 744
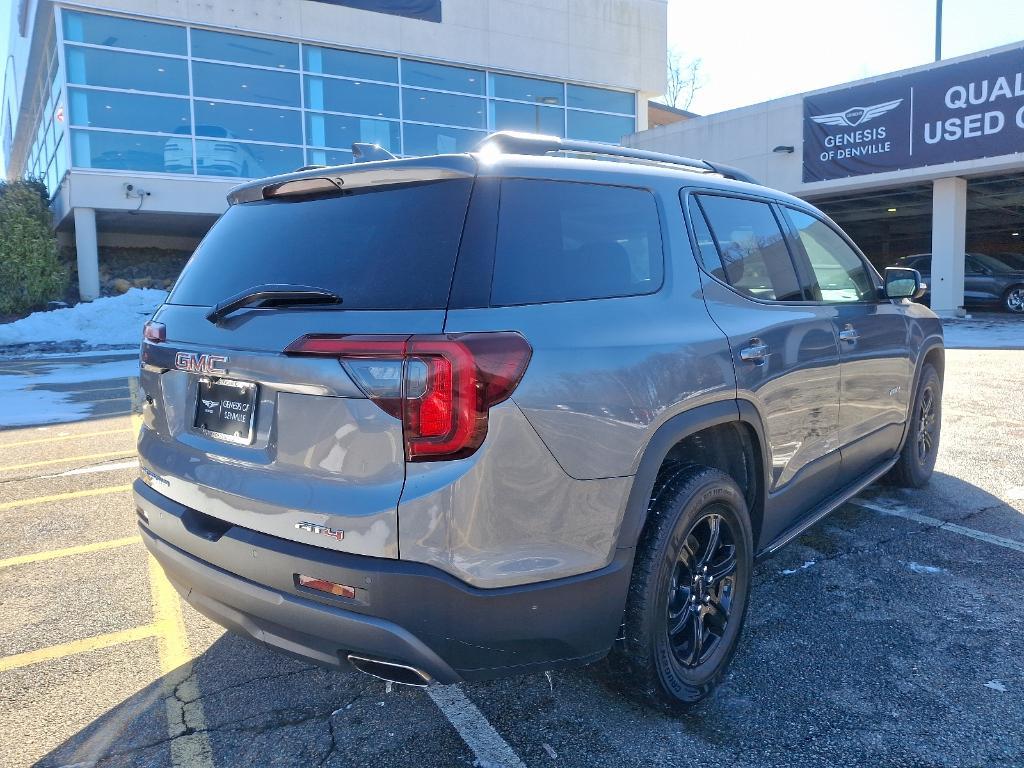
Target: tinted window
328, 157
527, 89
130, 152
243, 122
512, 116
584, 97
705, 241
383, 249
838, 273
351, 64
244, 49
753, 252
424, 75
342, 131
445, 108
565, 241
595, 127
434, 140
133, 112
223, 81
352, 96
117, 32
248, 161
131, 71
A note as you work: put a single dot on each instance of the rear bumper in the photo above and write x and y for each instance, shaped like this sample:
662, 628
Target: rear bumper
403, 612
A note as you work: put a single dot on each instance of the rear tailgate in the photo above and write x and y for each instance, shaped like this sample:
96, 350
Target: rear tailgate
290, 446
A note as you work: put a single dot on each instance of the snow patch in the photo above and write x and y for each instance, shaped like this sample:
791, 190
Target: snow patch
996, 685
790, 571
111, 321
997, 333
919, 568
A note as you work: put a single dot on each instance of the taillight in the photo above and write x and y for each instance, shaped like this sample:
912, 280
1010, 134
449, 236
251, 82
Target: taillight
441, 387
154, 332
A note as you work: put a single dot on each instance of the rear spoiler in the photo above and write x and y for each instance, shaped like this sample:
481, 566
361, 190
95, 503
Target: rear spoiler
366, 174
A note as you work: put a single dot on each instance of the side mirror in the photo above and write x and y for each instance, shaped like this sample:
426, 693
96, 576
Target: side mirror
903, 283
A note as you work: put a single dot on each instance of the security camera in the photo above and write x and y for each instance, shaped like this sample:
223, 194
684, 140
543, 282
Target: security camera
129, 188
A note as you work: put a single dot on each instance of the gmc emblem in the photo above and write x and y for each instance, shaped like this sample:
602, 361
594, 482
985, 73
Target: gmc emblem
193, 363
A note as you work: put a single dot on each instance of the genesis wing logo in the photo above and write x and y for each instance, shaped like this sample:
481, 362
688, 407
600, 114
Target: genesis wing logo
855, 116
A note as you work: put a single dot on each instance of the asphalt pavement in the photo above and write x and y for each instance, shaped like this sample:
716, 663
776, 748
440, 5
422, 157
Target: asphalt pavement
890, 634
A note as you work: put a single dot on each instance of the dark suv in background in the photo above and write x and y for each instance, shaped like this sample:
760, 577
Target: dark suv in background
465, 416
989, 281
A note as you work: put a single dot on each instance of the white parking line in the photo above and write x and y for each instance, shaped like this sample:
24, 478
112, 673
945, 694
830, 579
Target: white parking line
934, 522
486, 744
98, 468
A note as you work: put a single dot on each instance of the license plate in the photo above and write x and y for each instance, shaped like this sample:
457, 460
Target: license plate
226, 409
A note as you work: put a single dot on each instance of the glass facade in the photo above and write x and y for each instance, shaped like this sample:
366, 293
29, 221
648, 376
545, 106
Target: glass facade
149, 96
47, 156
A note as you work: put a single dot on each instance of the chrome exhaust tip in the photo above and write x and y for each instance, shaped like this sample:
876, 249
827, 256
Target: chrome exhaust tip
390, 671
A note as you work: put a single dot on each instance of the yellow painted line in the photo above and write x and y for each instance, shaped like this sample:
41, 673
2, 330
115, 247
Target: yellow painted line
63, 496
59, 438
76, 646
186, 722
68, 459
82, 549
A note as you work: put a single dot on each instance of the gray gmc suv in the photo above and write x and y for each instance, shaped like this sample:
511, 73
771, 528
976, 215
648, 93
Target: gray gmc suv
474, 415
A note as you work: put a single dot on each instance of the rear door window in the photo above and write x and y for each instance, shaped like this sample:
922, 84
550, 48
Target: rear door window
570, 241
384, 248
754, 257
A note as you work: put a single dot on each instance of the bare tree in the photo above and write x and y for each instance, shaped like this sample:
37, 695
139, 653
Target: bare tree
683, 80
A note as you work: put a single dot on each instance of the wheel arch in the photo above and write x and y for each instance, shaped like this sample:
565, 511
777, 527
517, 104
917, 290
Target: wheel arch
740, 414
934, 354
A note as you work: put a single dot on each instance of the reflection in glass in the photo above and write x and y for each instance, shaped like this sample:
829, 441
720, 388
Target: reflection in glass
434, 140
363, 66
244, 49
510, 116
441, 77
129, 71
342, 131
130, 152
446, 108
223, 81
118, 32
129, 111
226, 158
585, 97
352, 96
244, 122
527, 89
595, 127
328, 157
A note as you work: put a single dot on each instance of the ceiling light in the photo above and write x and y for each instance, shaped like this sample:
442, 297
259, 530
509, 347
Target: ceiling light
891, 210
1015, 234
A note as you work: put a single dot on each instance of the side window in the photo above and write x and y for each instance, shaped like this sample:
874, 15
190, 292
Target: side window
752, 250
839, 274
569, 241
705, 241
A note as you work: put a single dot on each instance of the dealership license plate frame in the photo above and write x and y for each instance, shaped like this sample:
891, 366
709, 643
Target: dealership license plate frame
213, 385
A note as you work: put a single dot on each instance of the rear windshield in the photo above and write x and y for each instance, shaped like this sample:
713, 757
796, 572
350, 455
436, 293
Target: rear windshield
390, 248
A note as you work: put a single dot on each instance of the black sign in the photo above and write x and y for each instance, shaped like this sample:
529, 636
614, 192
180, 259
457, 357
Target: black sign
963, 111
427, 10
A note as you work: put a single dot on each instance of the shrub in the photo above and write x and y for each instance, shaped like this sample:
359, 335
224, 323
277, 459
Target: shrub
30, 272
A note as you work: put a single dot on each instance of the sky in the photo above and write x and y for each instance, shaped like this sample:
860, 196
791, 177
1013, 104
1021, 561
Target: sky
757, 50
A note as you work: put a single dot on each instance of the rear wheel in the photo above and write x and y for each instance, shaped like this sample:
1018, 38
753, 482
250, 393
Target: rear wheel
1013, 300
688, 595
914, 467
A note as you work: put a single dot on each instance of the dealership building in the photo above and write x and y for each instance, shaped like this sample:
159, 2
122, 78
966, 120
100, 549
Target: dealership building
141, 116
926, 160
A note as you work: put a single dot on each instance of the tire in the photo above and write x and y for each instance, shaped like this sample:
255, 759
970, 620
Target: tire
914, 467
660, 661
1013, 299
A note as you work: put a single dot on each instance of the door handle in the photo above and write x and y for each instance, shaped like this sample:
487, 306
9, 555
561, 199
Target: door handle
756, 353
849, 334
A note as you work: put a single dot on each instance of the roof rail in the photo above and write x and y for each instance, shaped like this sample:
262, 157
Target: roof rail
518, 143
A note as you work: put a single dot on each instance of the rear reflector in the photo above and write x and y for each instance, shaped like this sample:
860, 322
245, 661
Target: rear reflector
154, 332
330, 587
441, 387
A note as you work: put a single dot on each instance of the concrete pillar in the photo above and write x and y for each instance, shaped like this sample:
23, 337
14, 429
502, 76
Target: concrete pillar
949, 236
88, 254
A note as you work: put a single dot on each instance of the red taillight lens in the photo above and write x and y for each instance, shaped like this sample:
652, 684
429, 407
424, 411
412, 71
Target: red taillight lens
441, 387
154, 332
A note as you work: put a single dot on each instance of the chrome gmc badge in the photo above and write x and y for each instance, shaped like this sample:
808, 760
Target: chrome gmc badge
196, 363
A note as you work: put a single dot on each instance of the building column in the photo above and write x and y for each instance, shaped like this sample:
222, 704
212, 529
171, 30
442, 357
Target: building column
949, 242
88, 253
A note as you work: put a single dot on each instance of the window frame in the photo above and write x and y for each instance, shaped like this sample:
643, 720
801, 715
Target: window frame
806, 273
686, 193
493, 256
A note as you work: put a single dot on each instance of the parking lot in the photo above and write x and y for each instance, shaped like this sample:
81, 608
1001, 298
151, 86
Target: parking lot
892, 633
